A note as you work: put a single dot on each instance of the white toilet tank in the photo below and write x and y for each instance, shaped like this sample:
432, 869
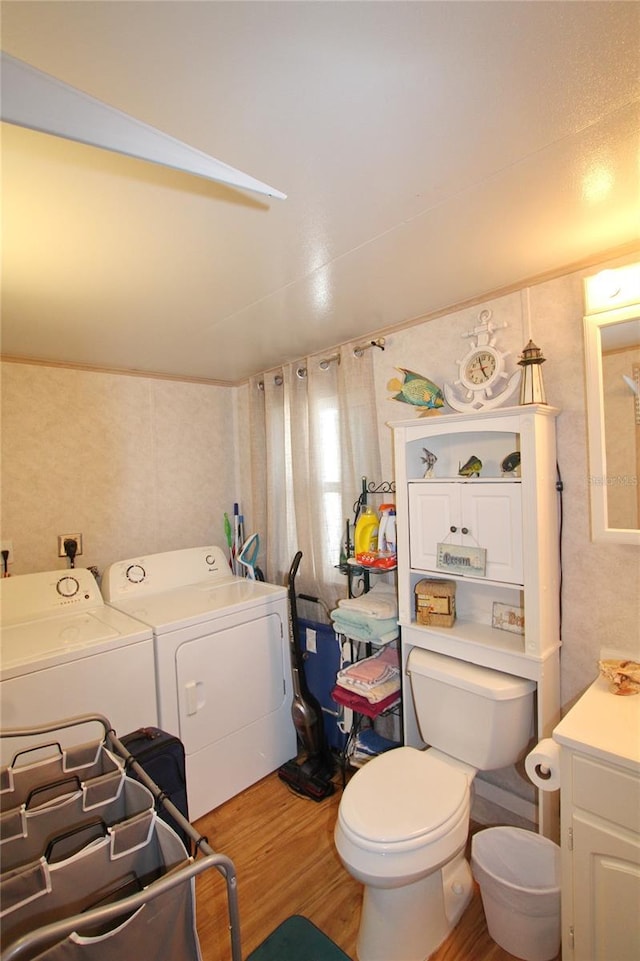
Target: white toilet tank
477, 715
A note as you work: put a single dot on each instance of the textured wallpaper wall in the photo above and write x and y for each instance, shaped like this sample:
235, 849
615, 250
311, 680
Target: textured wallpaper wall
601, 584
134, 464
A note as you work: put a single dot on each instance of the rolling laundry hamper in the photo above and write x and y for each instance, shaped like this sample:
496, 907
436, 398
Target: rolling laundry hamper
89, 871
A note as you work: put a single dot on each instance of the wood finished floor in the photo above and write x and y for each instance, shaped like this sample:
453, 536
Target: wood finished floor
286, 863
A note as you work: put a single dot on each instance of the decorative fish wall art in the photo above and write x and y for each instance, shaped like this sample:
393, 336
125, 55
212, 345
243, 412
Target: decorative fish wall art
417, 390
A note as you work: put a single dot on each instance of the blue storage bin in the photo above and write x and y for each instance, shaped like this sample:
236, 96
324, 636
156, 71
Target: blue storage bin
322, 662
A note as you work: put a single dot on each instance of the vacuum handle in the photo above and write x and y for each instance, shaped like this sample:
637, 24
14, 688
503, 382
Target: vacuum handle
293, 570
310, 597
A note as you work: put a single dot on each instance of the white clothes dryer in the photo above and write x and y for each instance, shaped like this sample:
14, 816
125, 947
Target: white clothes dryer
64, 652
223, 668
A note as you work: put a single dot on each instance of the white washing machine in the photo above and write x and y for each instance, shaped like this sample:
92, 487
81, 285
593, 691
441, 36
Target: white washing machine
64, 652
223, 667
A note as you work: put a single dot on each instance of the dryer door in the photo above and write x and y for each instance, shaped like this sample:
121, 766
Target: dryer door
230, 679
234, 705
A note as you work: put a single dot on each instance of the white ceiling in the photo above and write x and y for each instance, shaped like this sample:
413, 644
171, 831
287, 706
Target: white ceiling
431, 152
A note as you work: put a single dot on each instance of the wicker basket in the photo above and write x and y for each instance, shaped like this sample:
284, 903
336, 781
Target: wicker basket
436, 602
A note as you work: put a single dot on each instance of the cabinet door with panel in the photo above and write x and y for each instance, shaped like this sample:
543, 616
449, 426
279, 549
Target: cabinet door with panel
601, 859
606, 891
468, 514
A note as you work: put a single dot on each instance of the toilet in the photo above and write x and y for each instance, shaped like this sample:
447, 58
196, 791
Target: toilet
403, 818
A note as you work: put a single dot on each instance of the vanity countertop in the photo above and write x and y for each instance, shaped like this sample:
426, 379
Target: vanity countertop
603, 725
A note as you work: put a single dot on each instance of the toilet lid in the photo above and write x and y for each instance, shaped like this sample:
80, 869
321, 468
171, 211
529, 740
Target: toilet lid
403, 795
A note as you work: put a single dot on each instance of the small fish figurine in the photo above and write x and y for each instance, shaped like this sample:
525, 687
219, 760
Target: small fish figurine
472, 468
511, 462
416, 390
429, 460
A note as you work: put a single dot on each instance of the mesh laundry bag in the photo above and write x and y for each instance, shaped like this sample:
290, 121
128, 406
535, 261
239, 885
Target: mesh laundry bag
136, 851
60, 772
60, 826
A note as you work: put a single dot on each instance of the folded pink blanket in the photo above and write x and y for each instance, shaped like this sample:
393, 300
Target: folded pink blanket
375, 669
373, 675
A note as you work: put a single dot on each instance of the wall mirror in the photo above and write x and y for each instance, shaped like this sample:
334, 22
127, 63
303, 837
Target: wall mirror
612, 355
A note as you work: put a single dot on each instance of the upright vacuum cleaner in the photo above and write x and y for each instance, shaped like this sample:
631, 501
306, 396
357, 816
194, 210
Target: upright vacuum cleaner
311, 771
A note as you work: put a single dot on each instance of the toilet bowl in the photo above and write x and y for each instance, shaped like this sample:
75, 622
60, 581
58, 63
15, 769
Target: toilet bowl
407, 848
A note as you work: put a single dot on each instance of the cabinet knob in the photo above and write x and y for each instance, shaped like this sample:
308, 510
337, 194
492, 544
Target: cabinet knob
465, 530
453, 529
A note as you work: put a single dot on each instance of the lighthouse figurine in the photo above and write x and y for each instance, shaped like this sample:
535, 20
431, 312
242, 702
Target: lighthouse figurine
532, 385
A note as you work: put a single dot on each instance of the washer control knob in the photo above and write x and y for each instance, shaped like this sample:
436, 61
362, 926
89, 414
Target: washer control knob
67, 586
210, 559
136, 573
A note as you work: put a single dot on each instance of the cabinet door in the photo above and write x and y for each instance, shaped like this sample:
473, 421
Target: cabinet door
433, 510
606, 891
491, 513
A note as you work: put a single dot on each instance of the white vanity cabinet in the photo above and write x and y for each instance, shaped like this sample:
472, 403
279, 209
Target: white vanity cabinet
600, 838
513, 518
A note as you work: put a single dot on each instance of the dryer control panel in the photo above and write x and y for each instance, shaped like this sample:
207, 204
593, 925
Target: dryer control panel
153, 573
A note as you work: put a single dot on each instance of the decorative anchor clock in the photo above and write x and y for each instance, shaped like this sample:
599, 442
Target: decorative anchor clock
482, 371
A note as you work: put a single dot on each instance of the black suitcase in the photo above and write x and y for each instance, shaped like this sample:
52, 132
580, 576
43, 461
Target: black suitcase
161, 756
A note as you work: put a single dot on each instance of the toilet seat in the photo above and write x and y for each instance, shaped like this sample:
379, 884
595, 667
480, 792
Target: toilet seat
404, 799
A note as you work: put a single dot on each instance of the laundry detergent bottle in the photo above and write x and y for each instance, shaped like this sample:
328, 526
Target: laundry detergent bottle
387, 529
366, 532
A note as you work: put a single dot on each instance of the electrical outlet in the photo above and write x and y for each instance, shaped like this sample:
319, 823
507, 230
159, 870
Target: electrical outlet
7, 546
69, 537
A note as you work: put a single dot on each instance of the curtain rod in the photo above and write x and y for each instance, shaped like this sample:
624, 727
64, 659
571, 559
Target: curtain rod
326, 362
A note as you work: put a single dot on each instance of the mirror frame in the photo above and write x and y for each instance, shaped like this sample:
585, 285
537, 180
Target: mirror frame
593, 324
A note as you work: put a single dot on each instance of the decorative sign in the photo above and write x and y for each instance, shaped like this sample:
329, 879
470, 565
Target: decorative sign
456, 559
507, 618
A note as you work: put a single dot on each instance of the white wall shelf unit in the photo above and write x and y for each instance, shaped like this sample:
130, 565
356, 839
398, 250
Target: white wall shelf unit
514, 517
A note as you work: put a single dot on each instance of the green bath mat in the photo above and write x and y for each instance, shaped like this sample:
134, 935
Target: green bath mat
297, 939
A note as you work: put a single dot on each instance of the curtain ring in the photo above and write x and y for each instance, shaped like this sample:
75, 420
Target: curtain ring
326, 363
278, 380
301, 372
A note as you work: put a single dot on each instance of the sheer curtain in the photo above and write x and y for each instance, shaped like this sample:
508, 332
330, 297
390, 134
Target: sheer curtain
314, 435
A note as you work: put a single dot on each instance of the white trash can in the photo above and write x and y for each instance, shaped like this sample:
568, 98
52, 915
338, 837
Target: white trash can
519, 877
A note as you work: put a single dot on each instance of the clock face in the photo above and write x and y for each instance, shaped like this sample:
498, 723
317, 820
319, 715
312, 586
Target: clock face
480, 368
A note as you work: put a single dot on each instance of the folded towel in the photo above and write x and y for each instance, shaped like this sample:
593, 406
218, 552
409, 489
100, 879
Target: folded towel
372, 694
365, 637
360, 704
380, 602
360, 626
375, 677
375, 669
370, 674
